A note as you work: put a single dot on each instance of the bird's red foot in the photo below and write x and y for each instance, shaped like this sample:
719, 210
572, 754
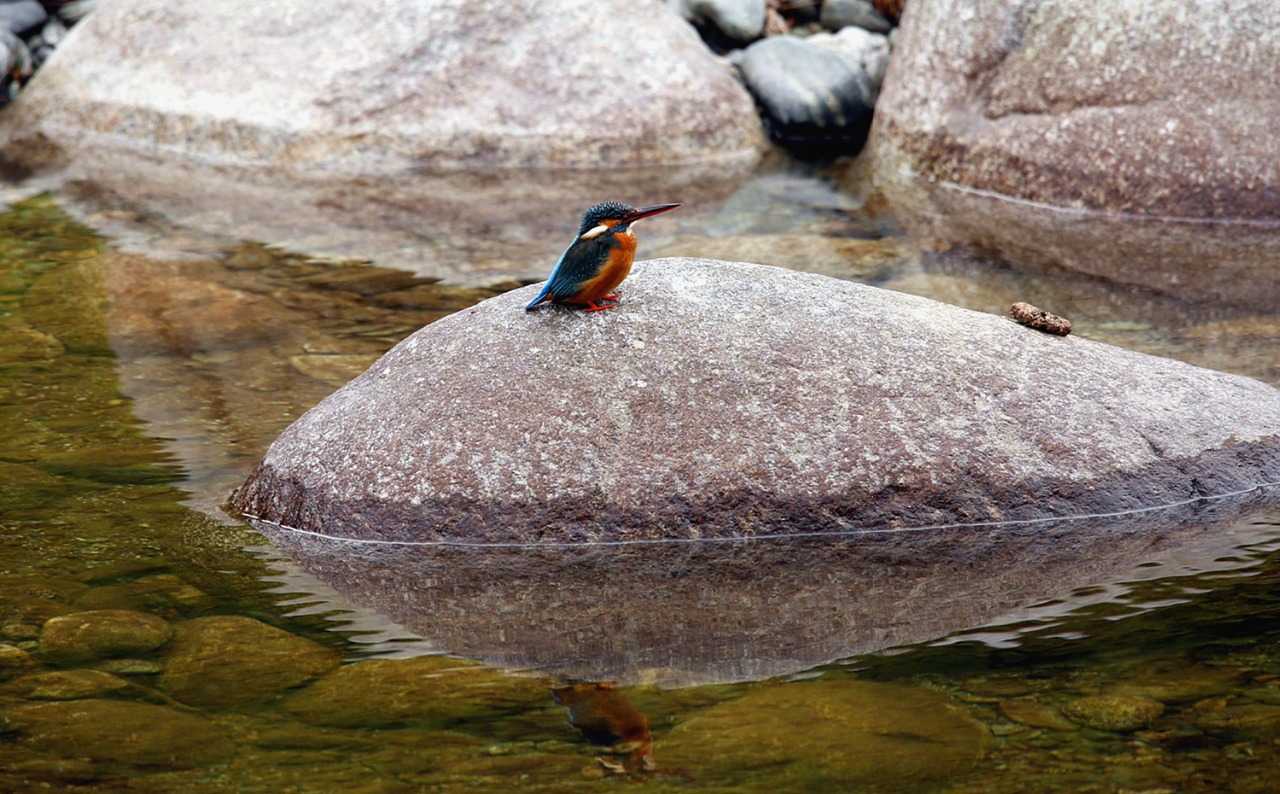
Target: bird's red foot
598, 307
612, 296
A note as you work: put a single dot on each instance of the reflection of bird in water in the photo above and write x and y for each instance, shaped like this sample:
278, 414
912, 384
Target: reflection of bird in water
609, 721
599, 258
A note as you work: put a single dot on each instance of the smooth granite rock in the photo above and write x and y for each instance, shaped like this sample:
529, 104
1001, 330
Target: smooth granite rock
384, 87
1051, 135
725, 399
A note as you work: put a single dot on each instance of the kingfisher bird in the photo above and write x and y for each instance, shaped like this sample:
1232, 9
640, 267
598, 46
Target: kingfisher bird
598, 259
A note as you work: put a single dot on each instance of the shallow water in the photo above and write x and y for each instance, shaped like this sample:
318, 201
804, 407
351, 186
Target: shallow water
136, 390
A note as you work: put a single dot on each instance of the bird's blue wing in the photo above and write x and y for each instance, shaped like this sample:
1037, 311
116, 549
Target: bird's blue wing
579, 262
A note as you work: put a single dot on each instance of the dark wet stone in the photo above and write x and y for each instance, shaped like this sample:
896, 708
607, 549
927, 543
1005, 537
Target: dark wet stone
1055, 140
21, 17
855, 734
436, 690
67, 684
117, 731
810, 95
837, 14
723, 399
222, 662
1119, 713
82, 636
732, 22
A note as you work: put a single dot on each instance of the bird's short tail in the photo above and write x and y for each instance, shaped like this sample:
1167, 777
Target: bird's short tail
542, 297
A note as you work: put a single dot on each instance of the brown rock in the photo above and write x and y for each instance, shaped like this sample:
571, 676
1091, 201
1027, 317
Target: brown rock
1121, 713
118, 732
725, 399
856, 734
67, 684
426, 689
221, 662
81, 636
1047, 133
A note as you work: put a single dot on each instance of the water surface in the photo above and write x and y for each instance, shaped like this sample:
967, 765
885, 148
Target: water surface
136, 389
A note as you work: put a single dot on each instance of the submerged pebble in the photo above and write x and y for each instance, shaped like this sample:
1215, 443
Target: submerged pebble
1119, 713
139, 733
82, 636
227, 661
425, 689
67, 684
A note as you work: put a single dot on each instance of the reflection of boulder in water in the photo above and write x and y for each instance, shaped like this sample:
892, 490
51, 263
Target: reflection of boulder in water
683, 613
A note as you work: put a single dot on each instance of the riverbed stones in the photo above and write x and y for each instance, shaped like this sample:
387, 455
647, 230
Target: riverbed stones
1119, 713
839, 14
855, 734
1045, 132
227, 661
82, 636
67, 684
726, 399
436, 690
445, 84
117, 732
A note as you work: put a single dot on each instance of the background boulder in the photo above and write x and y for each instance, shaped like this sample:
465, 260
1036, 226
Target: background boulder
1123, 139
383, 86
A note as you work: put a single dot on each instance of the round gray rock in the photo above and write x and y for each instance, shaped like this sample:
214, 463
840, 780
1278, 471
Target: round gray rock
382, 87
839, 14
723, 399
1048, 133
736, 21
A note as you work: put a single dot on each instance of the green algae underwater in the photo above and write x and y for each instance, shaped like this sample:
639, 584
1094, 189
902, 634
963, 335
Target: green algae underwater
146, 645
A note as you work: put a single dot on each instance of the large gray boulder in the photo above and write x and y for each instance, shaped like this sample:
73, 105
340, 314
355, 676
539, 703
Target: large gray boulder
401, 133
723, 399
385, 86
1126, 139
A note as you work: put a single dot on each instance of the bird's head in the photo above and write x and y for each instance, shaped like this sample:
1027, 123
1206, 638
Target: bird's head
614, 216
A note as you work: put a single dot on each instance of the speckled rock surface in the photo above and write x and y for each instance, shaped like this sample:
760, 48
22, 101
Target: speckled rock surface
1050, 134
384, 87
723, 399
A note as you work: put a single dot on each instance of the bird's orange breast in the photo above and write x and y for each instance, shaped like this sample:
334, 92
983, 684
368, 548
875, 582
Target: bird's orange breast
615, 269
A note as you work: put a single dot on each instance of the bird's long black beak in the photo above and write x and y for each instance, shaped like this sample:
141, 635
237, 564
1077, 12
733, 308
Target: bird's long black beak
644, 212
